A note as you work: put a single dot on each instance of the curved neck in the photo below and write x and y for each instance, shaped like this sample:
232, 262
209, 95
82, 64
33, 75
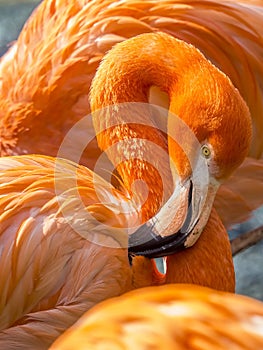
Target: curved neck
126, 75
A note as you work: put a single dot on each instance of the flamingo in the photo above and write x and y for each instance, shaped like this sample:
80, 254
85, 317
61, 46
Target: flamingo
63, 43
169, 317
64, 241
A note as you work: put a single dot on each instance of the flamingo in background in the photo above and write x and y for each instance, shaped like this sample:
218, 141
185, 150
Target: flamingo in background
169, 317
63, 238
45, 76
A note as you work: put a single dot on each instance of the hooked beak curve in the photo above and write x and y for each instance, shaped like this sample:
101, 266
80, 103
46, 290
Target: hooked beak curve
156, 238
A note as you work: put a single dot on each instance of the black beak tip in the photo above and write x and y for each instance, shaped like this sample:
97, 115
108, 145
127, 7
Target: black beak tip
155, 246
159, 247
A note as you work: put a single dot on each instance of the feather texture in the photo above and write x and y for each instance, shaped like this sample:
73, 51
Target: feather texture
57, 257
169, 317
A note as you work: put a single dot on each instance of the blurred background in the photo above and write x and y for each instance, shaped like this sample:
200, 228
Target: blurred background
13, 15
248, 263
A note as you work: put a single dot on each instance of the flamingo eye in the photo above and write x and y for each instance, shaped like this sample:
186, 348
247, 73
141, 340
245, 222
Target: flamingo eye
206, 151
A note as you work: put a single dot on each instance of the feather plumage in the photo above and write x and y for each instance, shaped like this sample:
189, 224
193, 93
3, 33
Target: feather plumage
169, 317
57, 259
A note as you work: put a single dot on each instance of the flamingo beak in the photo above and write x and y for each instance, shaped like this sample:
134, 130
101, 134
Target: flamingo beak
171, 231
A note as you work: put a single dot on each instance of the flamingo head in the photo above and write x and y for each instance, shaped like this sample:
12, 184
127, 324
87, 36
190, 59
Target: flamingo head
208, 132
209, 135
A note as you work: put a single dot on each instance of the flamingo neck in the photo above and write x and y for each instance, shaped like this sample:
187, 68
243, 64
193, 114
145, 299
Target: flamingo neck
129, 133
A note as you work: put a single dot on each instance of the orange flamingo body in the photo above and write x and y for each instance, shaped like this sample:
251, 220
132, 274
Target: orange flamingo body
169, 317
63, 229
63, 43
